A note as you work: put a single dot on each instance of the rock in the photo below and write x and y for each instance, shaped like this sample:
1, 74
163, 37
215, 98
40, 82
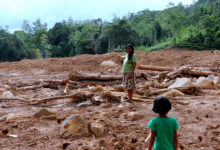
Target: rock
218, 92
108, 63
7, 94
74, 126
135, 116
181, 82
204, 83
81, 96
52, 117
173, 93
106, 105
109, 97
216, 82
96, 100
44, 112
12, 116
124, 106
184, 85
97, 129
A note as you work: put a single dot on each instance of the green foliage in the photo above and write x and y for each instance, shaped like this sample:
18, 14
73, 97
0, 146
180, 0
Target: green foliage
158, 46
195, 27
33, 54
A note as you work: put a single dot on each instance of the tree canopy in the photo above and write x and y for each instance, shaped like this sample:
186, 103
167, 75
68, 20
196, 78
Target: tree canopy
196, 26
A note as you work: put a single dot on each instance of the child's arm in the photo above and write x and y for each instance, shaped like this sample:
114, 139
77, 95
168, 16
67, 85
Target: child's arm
152, 139
175, 140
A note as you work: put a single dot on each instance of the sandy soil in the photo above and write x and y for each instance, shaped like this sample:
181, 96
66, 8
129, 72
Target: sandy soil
198, 115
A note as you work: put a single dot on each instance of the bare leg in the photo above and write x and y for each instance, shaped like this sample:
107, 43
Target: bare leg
130, 94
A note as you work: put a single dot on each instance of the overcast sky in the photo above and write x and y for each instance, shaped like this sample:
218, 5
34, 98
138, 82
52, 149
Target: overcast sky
13, 12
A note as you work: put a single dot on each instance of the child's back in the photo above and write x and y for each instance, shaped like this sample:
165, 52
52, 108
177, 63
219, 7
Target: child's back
163, 128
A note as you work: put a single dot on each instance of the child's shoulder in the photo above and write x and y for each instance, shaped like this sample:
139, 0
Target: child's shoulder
172, 118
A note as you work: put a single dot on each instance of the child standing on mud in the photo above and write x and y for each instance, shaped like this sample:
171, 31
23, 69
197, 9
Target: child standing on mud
128, 71
163, 128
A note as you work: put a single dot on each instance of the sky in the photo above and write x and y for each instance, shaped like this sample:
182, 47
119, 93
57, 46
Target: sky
14, 12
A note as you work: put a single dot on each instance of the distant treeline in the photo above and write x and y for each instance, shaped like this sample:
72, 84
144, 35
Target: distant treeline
195, 27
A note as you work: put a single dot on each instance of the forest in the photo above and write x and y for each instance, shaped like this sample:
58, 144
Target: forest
196, 27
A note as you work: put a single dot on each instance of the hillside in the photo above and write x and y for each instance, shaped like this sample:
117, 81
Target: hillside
197, 114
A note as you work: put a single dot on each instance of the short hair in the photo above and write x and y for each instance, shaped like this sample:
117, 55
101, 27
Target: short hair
161, 105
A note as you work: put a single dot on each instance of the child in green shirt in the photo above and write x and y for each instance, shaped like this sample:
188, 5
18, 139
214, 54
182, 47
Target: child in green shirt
163, 128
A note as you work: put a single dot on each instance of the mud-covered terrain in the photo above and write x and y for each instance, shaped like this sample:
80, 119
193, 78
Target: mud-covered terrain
198, 114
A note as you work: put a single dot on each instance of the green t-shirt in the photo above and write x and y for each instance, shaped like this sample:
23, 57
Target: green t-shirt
164, 128
128, 63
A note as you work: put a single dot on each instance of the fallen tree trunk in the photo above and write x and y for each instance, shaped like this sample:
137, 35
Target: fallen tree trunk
62, 82
77, 76
156, 91
45, 100
182, 70
76, 97
34, 87
154, 68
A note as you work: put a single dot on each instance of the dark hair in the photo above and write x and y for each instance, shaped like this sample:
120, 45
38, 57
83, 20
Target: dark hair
161, 105
132, 52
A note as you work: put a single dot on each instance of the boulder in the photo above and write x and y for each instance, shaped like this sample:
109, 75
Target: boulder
184, 85
135, 116
216, 82
74, 126
108, 63
218, 92
97, 129
106, 105
7, 94
204, 83
181, 82
44, 112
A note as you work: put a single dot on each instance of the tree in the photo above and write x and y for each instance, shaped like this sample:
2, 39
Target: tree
45, 46
26, 27
37, 25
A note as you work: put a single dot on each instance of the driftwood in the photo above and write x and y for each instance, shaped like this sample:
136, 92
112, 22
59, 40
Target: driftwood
156, 91
61, 82
52, 84
182, 70
34, 87
76, 97
48, 99
154, 68
77, 76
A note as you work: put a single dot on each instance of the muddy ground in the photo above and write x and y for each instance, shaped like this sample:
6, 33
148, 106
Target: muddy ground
198, 115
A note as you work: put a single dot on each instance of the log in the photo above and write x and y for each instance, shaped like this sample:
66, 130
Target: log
182, 70
76, 97
154, 68
62, 82
198, 72
34, 87
48, 99
77, 76
156, 91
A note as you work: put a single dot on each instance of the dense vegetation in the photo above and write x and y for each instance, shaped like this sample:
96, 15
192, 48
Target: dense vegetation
196, 27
